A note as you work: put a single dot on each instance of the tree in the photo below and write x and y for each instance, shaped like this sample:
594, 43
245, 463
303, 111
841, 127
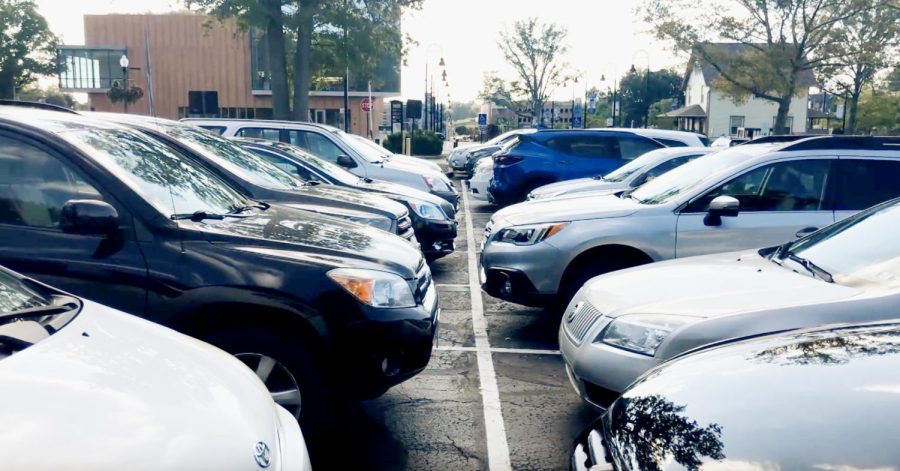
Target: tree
50, 95
461, 130
536, 51
879, 112
893, 79
861, 47
659, 108
639, 90
27, 46
780, 41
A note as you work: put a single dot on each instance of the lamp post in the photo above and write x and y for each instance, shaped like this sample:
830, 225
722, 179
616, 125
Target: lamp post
615, 91
646, 97
123, 62
427, 63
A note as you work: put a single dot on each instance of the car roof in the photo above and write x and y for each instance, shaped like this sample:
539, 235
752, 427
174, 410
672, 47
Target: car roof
258, 122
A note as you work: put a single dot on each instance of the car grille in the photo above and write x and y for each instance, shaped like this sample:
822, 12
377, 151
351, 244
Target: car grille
487, 230
404, 227
422, 280
579, 320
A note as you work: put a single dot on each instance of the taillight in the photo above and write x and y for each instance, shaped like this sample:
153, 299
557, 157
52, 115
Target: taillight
506, 159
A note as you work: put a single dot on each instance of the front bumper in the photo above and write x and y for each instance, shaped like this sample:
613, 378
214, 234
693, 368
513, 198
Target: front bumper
599, 372
436, 238
387, 348
478, 186
591, 451
534, 272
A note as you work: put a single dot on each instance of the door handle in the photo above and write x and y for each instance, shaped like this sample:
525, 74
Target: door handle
806, 231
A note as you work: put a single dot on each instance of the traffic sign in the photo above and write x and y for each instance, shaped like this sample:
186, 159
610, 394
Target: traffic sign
482, 119
366, 105
576, 122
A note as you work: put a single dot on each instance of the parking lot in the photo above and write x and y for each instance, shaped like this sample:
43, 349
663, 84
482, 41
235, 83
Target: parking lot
490, 354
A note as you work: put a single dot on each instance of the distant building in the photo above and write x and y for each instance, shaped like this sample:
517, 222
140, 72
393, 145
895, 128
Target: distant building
553, 114
201, 67
712, 112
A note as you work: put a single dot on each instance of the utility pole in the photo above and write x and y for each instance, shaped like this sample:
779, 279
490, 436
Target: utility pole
346, 77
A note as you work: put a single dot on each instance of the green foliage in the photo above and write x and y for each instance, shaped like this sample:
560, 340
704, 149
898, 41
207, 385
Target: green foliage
893, 79
461, 130
423, 143
638, 91
50, 95
879, 112
662, 107
119, 94
27, 46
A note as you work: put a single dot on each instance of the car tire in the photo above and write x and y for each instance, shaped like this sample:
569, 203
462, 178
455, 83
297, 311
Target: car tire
291, 352
583, 270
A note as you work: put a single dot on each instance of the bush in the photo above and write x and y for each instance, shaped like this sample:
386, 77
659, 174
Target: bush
423, 143
461, 130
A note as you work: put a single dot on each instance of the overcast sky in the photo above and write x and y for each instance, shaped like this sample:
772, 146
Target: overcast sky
605, 36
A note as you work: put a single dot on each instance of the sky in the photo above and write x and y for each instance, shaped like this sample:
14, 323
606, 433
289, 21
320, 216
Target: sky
604, 37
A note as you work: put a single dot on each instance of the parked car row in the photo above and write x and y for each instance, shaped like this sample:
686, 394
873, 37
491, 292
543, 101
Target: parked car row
321, 290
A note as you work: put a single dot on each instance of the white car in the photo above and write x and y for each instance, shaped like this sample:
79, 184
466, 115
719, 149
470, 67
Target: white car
667, 137
83, 386
425, 164
631, 175
622, 324
479, 183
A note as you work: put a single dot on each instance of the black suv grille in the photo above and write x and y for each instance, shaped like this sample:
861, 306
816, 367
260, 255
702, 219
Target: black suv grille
422, 281
404, 227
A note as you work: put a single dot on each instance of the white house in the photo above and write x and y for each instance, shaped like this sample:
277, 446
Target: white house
715, 114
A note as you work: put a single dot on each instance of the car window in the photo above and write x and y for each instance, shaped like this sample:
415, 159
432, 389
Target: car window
168, 180
260, 133
663, 168
669, 142
373, 155
285, 164
860, 183
633, 146
320, 165
586, 146
786, 186
35, 185
316, 144
220, 130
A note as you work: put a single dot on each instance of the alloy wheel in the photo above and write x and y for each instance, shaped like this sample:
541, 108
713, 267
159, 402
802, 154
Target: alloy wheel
282, 385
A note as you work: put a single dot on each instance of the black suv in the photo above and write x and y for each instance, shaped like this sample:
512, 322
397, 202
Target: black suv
314, 304
433, 218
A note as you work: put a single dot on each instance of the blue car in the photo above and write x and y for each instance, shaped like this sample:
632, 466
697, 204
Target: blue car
549, 156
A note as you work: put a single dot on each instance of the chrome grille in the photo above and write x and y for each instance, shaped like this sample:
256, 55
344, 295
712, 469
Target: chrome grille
422, 280
404, 227
579, 320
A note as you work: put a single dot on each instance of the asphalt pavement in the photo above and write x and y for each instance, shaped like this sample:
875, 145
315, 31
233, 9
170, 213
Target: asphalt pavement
494, 396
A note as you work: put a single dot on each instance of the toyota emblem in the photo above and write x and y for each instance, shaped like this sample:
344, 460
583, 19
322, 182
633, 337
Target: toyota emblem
262, 454
574, 312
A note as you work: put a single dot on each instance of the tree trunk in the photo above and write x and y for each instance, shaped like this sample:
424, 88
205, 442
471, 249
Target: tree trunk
7, 85
853, 107
784, 106
302, 71
277, 60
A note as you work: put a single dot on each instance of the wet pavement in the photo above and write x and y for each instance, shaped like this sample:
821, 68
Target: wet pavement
436, 420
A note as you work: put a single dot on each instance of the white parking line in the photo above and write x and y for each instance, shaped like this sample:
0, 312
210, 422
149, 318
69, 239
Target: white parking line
497, 446
520, 351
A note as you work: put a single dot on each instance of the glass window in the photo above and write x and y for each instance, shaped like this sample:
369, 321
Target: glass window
787, 186
171, 182
322, 147
860, 184
260, 133
286, 165
663, 168
632, 147
216, 129
320, 165
34, 186
735, 122
669, 142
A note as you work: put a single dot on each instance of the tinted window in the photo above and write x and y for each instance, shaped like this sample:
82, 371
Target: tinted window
284, 164
670, 142
260, 133
632, 147
586, 145
663, 168
316, 144
863, 183
34, 186
785, 186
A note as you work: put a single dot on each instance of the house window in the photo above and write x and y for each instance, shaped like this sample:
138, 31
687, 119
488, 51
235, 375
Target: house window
735, 122
788, 124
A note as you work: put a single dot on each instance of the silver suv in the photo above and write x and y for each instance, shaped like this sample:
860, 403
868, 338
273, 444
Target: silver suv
743, 197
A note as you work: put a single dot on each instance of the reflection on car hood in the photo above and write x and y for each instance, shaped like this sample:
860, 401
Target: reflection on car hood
389, 188
574, 209
823, 400
578, 186
313, 234
410, 165
405, 159
111, 391
709, 285
363, 201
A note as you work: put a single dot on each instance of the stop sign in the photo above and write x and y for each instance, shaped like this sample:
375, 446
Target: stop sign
366, 105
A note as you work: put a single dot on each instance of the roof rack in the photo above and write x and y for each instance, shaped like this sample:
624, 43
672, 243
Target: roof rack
845, 143
36, 105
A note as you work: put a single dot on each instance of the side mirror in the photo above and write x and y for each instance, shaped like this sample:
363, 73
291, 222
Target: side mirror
88, 217
719, 207
345, 161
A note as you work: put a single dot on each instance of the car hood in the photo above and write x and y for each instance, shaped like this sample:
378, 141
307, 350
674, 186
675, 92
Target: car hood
355, 199
112, 391
411, 165
415, 161
308, 234
823, 399
580, 185
395, 189
709, 286
572, 209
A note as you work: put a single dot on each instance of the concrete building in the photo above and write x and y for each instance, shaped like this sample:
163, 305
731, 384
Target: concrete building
712, 112
191, 65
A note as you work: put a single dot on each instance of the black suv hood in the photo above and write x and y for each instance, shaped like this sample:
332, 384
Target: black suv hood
404, 193
310, 234
819, 399
349, 198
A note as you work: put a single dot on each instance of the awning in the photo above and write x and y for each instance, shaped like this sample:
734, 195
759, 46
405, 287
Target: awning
690, 111
813, 113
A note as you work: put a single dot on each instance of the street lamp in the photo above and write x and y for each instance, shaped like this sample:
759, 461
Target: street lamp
441, 63
646, 97
615, 91
123, 62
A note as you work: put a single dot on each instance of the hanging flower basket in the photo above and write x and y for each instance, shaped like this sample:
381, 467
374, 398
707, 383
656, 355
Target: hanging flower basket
129, 95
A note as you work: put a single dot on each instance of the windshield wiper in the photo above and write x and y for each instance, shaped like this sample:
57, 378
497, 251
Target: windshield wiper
198, 216
40, 311
810, 267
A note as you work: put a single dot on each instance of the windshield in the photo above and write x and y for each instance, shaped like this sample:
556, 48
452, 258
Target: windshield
506, 137
694, 175
373, 154
321, 165
371, 144
629, 169
169, 181
15, 295
862, 249
236, 160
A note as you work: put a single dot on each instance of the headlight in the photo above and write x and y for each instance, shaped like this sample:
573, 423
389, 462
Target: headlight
377, 222
429, 211
529, 235
641, 333
436, 184
374, 288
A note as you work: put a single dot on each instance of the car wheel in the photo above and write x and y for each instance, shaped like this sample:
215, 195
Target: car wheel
583, 270
287, 368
